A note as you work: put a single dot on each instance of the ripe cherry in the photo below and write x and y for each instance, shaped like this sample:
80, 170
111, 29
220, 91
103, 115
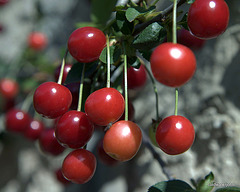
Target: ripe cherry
123, 140
173, 64
60, 177
136, 77
175, 134
188, 39
86, 44
79, 166
67, 68
105, 106
52, 99
34, 129
9, 88
37, 41
74, 129
17, 120
49, 144
208, 18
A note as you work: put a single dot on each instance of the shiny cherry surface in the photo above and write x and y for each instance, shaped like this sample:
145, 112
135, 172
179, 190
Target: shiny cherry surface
52, 99
60, 177
105, 106
34, 129
175, 134
86, 44
123, 140
9, 88
74, 129
37, 41
79, 166
136, 77
173, 64
208, 18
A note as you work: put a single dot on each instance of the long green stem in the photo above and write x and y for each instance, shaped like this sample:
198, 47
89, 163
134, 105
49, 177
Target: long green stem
62, 68
176, 101
174, 27
125, 83
108, 64
81, 89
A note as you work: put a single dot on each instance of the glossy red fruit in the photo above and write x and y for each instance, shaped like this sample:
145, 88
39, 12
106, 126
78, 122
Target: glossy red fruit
37, 41
67, 68
60, 177
136, 77
173, 64
86, 44
208, 18
34, 129
3, 2
16, 120
79, 166
52, 99
123, 140
49, 144
184, 37
104, 106
175, 134
9, 88
74, 129
103, 156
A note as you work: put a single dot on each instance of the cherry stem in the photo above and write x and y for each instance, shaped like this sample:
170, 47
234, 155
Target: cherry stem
81, 89
108, 64
155, 90
125, 83
62, 68
176, 101
174, 26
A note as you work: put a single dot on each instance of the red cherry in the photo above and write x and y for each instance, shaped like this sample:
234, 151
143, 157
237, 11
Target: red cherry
79, 166
74, 129
175, 135
123, 140
3, 2
61, 178
173, 64
136, 77
16, 120
67, 68
52, 99
189, 40
105, 106
208, 18
8, 88
37, 41
86, 44
34, 129
49, 144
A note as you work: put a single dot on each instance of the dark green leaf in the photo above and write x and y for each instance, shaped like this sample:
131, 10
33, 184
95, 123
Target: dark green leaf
102, 10
171, 186
115, 53
134, 62
150, 37
136, 12
229, 189
123, 24
183, 21
146, 54
205, 185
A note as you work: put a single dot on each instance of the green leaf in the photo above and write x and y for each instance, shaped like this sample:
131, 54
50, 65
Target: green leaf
229, 189
134, 62
171, 186
75, 74
115, 54
102, 10
123, 24
205, 185
150, 37
183, 21
133, 13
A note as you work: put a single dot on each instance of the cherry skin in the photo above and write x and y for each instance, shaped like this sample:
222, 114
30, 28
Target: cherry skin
123, 140
34, 129
52, 99
9, 88
74, 129
105, 106
67, 68
60, 177
86, 44
188, 39
136, 77
173, 64
37, 41
49, 144
17, 120
79, 166
175, 134
208, 18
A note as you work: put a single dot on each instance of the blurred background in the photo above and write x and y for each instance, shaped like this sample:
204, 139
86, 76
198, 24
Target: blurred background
211, 100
